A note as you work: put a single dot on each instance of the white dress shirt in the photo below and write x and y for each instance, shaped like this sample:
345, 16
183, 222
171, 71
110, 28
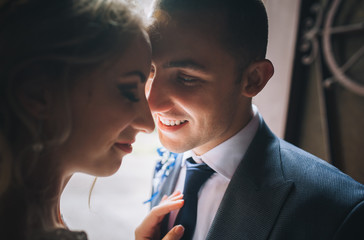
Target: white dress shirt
224, 159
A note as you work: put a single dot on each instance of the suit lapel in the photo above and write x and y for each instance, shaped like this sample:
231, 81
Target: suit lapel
170, 182
167, 188
255, 194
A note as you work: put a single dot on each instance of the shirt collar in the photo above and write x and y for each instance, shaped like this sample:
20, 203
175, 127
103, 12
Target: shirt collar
225, 157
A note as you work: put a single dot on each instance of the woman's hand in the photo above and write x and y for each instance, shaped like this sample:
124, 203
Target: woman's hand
150, 227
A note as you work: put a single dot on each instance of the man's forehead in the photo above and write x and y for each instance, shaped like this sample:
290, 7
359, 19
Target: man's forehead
208, 22
175, 44
183, 39
206, 17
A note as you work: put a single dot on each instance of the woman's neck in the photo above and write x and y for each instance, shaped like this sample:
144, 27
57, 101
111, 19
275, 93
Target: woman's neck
59, 214
49, 206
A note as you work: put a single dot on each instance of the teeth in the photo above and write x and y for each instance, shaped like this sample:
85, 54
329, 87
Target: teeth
172, 122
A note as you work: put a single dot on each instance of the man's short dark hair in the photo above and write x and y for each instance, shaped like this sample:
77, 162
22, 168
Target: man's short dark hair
246, 31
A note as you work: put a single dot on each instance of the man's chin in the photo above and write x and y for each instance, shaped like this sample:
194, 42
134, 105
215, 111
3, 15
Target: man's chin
173, 148
173, 145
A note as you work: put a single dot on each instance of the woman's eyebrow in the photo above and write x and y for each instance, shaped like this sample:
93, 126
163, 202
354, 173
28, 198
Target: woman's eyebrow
139, 74
128, 86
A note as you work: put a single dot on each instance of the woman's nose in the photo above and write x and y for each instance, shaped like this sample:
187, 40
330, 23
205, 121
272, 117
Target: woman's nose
144, 121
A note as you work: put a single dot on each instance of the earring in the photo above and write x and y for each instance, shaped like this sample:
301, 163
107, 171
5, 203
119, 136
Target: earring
38, 146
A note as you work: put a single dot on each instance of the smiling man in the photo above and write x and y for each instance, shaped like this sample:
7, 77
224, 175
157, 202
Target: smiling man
209, 62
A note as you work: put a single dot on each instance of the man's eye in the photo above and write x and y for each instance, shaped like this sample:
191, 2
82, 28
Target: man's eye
187, 80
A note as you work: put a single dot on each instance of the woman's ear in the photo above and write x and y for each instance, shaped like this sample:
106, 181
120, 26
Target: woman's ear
256, 76
36, 99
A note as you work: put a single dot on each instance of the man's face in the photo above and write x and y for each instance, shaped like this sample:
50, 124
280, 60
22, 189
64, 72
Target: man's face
195, 96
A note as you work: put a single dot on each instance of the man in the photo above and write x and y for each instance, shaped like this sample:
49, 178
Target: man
209, 61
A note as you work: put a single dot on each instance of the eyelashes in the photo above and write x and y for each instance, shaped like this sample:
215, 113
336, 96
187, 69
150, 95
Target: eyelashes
130, 96
187, 80
128, 91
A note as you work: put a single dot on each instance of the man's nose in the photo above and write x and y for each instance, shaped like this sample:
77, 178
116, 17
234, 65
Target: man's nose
159, 96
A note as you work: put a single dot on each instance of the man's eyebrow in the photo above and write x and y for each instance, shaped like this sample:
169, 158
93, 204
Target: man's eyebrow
190, 64
143, 78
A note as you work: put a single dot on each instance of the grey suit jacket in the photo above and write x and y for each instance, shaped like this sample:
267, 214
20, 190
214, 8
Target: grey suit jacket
282, 192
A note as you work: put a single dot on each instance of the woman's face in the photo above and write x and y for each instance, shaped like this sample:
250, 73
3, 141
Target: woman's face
108, 109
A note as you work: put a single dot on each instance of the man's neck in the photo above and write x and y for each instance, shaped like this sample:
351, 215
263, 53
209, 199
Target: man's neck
200, 150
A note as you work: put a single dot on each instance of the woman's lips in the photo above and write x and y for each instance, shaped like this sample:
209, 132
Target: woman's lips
125, 147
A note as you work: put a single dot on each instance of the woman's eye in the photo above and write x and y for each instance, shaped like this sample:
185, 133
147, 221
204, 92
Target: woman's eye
130, 96
128, 91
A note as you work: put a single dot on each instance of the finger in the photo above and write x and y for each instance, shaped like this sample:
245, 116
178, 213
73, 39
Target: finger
175, 193
150, 223
163, 198
174, 197
157, 213
166, 207
176, 233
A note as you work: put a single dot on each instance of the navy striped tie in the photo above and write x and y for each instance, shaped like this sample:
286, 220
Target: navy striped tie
196, 176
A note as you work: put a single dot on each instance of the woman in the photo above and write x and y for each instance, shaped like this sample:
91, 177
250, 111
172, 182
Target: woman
72, 76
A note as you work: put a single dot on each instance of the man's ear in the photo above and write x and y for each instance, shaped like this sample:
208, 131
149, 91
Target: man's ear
35, 99
256, 76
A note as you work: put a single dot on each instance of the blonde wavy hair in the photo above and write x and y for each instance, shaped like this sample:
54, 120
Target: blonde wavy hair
57, 42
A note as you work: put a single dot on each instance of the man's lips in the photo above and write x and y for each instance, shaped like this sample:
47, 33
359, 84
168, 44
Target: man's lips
125, 147
170, 124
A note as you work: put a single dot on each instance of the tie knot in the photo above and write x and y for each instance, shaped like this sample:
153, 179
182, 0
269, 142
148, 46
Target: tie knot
196, 175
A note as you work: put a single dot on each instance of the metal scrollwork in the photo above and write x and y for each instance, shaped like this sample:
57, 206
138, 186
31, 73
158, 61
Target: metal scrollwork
339, 72
310, 42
